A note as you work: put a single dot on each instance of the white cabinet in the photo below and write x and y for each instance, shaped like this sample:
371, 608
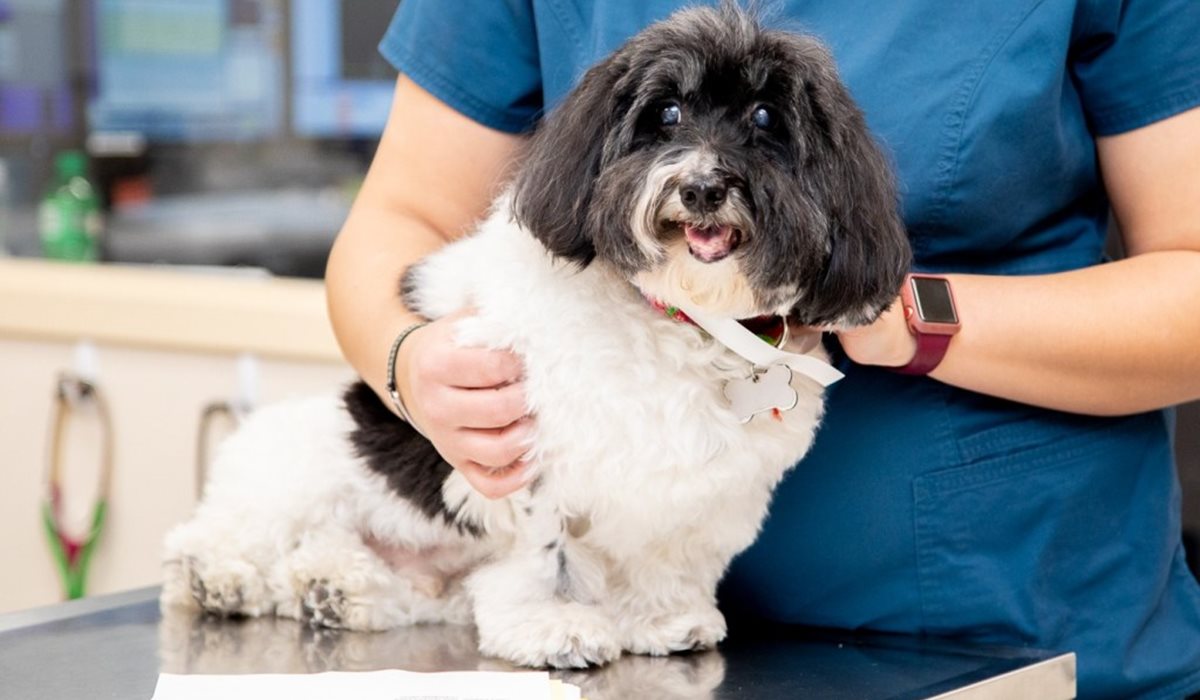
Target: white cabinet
156, 387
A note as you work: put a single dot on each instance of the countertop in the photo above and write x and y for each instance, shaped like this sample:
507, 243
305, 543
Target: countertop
115, 647
212, 310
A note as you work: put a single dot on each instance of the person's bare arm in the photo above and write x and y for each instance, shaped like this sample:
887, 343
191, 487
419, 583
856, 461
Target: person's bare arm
1111, 339
434, 175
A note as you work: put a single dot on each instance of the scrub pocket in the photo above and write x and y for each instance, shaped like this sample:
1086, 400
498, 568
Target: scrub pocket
1022, 543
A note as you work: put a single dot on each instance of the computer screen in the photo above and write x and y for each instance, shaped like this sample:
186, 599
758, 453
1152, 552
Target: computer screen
341, 86
35, 86
188, 70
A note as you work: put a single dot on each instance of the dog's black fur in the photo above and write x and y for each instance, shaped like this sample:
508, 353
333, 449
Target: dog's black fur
393, 449
819, 190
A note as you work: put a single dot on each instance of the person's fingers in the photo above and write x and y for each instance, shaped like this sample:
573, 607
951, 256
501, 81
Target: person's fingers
470, 402
474, 368
495, 448
479, 408
495, 483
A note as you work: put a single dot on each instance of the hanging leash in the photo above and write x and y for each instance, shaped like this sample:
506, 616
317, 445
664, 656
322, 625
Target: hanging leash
233, 411
72, 552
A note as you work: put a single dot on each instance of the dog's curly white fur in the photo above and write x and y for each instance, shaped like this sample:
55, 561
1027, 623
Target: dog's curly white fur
645, 484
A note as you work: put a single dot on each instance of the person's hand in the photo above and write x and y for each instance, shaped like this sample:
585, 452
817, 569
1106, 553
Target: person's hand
887, 342
470, 403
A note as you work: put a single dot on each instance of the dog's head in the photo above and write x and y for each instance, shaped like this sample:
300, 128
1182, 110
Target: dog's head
714, 161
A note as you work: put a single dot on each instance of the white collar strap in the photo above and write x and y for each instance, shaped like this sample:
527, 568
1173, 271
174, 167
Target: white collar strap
734, 336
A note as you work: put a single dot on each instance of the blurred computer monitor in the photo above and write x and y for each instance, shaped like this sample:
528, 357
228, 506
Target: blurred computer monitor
341, 86
188, 70
35, 88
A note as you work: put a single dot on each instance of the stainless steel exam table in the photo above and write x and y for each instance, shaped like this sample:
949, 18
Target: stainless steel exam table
115, 646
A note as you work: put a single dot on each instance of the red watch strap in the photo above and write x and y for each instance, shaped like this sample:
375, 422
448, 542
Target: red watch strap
931, 348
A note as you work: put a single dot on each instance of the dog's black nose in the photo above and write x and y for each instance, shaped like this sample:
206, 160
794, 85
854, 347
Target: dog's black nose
703, 197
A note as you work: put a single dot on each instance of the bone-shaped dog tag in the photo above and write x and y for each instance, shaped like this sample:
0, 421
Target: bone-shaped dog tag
761, 392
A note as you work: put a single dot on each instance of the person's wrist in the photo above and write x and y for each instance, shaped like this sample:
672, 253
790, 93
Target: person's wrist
887, 342
901, 345
931, 316
397, 384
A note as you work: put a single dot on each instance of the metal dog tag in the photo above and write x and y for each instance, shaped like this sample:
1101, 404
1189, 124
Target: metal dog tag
765, 390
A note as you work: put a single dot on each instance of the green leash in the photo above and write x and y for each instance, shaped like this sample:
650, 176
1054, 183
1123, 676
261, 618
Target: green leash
73, 552
73, 555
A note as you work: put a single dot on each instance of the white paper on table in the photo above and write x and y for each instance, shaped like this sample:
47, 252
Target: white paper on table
372, 685
564, 691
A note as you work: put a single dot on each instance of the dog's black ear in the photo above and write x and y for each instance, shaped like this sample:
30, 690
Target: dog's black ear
554, 189
849, 176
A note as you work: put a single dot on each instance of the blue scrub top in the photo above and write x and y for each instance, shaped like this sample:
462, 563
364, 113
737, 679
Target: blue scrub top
923, 508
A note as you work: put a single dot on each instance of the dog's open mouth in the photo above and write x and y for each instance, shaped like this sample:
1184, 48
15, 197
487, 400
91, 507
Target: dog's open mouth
709, 244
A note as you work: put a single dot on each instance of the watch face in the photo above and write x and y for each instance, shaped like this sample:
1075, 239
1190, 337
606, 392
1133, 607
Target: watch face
934, 304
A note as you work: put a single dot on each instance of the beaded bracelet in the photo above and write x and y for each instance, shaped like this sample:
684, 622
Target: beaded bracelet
392, 389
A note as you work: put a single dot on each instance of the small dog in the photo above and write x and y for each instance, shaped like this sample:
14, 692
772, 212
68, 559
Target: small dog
708, 162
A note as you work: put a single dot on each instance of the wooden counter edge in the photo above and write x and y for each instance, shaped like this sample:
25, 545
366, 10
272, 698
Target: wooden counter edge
166, 308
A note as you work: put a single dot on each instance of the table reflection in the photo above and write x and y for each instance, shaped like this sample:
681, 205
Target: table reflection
190, 643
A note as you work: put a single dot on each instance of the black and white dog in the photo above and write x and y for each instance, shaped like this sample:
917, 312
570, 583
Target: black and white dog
709, 163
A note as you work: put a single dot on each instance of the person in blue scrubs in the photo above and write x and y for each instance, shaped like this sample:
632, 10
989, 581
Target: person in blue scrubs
1022, 493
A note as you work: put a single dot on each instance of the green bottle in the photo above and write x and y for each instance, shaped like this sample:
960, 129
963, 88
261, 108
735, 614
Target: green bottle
69, 219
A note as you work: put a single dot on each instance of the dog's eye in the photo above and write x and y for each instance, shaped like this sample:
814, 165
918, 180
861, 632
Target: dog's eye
670, 115
763, 118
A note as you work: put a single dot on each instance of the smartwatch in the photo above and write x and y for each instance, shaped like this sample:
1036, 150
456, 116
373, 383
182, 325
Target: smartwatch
932, 319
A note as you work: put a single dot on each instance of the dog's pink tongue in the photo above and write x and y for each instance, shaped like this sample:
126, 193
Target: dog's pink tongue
709, 243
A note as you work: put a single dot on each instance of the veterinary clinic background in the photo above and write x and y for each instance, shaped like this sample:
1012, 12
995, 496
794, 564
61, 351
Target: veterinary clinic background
174, 174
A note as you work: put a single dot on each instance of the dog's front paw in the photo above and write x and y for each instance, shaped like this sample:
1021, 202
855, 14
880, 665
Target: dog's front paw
669, 633
327, 604
553, 635
323, 605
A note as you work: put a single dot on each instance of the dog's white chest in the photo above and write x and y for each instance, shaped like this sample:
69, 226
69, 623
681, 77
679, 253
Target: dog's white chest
625, 401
